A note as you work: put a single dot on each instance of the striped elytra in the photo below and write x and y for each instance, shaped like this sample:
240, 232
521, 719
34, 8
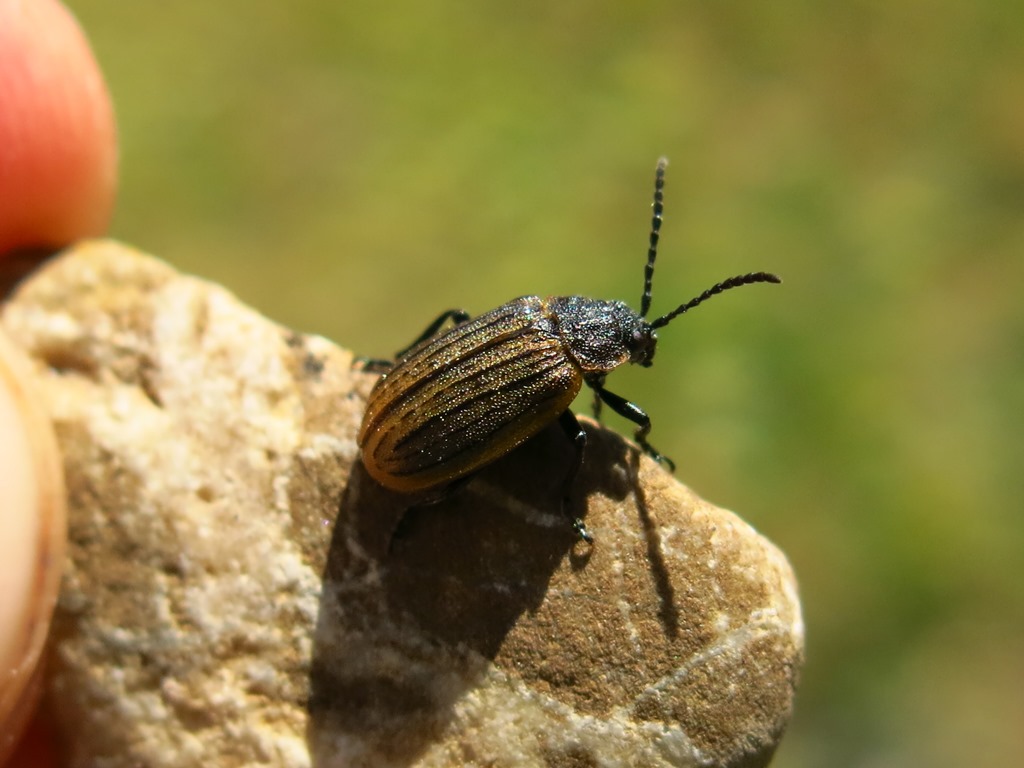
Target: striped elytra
459, 399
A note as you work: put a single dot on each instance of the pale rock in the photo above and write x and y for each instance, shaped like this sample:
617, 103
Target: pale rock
238, 592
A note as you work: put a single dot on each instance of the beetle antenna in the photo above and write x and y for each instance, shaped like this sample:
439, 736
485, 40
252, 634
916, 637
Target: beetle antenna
725, 285
652, 249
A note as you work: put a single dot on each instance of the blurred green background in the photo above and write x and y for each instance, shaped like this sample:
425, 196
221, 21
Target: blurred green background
351, 169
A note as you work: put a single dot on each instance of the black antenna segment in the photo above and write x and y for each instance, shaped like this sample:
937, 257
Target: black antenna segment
652, 249
725, 285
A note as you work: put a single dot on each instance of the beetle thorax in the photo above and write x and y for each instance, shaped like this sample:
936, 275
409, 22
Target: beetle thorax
601, 335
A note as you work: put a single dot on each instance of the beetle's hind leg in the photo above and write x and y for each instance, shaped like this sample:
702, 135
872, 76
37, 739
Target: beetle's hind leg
457, 316
638, 416
375, 365
579, 440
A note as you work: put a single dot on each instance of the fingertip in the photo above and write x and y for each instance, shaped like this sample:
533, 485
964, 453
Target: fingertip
32, 536
58, 151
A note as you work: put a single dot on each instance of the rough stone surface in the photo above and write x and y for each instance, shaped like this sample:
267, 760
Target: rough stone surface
239, 592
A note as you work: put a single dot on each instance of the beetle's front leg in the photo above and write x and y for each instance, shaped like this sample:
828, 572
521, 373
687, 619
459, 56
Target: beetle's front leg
579, 440
636, 414
597, 382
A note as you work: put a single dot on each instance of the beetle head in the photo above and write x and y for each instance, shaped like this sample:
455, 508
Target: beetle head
641, 344
602, 335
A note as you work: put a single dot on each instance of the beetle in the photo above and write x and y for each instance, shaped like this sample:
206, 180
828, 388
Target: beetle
456, 400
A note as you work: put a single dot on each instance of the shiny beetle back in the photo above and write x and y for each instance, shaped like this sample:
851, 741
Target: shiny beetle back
461, 399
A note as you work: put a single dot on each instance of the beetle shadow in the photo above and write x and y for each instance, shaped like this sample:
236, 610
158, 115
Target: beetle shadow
668, 611
418, 598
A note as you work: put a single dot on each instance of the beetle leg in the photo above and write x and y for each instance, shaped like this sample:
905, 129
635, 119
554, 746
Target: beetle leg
376, 365
579, 439
636, 414
441, 494
373, 365
597, 382
457, 316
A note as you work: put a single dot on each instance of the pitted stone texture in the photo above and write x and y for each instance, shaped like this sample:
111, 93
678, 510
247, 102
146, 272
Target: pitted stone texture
239, 592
